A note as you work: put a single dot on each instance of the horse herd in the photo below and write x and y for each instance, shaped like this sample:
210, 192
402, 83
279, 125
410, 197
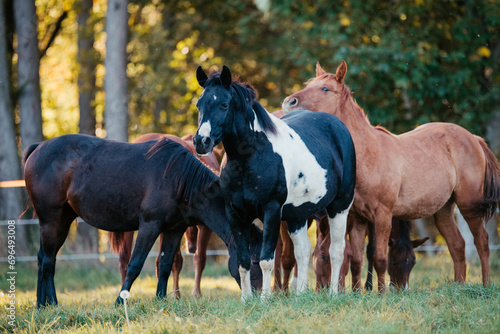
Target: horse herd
321, 160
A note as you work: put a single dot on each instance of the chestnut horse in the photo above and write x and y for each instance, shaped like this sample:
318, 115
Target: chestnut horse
400, 252
197, 237
419, 173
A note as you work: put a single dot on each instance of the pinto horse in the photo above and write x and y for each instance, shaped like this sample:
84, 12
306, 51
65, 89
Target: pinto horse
264, 179
153, 187
197, 237
419, 173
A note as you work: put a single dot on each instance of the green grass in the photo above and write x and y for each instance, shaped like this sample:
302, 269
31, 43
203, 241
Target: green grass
87, 291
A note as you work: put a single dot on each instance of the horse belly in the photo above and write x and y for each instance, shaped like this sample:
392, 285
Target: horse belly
422, 199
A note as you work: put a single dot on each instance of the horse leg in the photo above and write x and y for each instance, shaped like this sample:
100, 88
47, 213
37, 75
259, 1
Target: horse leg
370, 250
170, 245
192, 238
200, 257
125, 253
271, 232
338, 228
241, 233
481, 242
344, 269
447, 226
277, 263
302, 252
146, 237
287, 258
357, 234
383, 225
54, 229
176, 269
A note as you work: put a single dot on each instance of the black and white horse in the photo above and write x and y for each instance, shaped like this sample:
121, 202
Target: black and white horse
288, 168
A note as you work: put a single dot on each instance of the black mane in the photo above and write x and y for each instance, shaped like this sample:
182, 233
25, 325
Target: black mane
246, 97
403, 242
195, 177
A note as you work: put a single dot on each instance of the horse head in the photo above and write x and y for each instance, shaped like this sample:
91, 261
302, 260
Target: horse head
214, 112
401, 257
325, 92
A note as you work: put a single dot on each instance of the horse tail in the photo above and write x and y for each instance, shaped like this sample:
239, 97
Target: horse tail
117, 241
487, 206
28, 152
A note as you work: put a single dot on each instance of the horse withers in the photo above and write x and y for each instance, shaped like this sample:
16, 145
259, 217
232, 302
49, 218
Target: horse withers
413, 175
153, 187
264, 178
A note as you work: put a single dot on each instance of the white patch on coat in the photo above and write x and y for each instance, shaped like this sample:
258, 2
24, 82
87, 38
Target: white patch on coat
267, 268
305, 178
246, 289
302, 252
215, 97
338, 227
205, 129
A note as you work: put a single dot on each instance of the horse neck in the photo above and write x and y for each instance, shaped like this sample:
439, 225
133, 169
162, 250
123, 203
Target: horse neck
242, 138
362, 132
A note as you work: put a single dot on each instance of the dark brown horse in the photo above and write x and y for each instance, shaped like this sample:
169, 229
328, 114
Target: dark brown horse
156, 187
431, 169
197, 237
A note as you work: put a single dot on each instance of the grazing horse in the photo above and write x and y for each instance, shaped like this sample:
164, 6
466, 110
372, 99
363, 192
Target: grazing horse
264, 179
417, 174
153, 187
197, 237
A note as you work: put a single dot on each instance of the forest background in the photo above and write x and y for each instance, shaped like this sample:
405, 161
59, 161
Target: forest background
409, 63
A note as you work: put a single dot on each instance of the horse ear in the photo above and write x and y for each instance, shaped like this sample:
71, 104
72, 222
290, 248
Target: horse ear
201, 77
419, 242
341, 71
319, 70
225, 76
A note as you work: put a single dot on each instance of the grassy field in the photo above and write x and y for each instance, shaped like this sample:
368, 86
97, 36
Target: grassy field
86, 292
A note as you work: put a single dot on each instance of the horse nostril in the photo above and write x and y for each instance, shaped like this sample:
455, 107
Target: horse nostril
205, 141
293, 102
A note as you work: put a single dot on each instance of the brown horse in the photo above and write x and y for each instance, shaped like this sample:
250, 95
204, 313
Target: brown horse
197, 237
431, 169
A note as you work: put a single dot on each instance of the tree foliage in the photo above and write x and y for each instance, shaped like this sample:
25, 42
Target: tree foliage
409, 62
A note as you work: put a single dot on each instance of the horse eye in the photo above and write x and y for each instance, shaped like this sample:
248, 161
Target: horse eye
224, 105
325, 89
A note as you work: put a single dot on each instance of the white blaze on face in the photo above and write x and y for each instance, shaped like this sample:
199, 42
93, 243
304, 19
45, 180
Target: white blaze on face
305, 178
215, 97
205, 129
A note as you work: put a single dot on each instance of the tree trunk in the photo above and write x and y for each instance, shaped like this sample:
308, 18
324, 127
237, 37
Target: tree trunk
86, 75
11, 199
28, 65
115, 81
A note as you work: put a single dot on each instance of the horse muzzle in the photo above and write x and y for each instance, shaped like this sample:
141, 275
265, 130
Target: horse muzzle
203, 145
